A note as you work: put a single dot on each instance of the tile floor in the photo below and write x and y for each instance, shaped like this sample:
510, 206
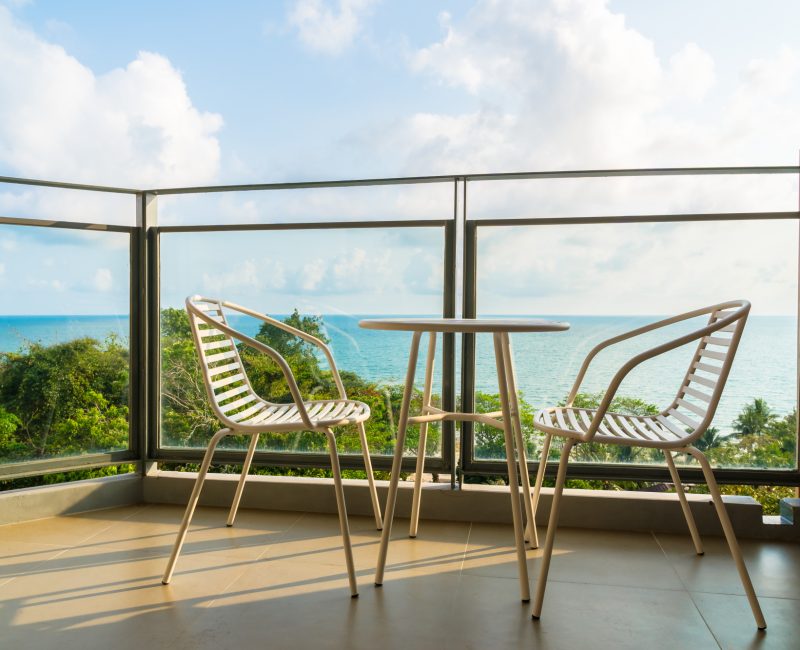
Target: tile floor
277, 580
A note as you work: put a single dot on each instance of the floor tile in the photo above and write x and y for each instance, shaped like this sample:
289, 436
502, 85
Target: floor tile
731, 621
22, 558
577, 616
774, 567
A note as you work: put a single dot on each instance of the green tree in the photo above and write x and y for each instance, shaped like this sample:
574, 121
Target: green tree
187, 418
64, 399
761, 439
711, 439
754, 419
490, 442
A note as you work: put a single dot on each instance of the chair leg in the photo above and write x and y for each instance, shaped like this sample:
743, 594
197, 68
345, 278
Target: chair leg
248, 459
423, 438
193, 499
373, 491
551, 529
340, 504
730, 537
537, 488
676, 479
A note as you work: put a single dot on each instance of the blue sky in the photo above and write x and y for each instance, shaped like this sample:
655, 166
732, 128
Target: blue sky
160, 94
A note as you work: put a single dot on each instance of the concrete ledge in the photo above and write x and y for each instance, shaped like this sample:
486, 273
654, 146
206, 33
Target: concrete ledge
65, 498
598, 509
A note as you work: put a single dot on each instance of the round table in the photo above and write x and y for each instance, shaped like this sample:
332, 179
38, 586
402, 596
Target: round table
511, 426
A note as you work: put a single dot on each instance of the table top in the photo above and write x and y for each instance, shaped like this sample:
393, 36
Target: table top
470, 325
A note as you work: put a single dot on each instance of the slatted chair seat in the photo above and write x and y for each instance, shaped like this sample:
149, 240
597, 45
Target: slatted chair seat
614, 428
279, 417
673, 430
242, 411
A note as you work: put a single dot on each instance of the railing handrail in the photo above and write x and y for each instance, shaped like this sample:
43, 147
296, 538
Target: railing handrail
12, 180
414, 180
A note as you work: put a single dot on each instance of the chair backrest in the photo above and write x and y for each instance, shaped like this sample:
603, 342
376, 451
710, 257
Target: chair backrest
697, 399
229, 390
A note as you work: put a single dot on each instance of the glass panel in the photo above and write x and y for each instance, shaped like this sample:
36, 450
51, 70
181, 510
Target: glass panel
57, 204
323, 281
64, 334
606, 279
327, 204
593, 197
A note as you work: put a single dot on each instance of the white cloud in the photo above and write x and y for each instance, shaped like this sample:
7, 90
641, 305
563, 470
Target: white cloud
644, 269
103, 280
56, 284
569, 84
324, 29
2, 268
244, 275
312, 275
130, 126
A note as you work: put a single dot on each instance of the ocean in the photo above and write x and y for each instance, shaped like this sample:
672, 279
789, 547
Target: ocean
546, 363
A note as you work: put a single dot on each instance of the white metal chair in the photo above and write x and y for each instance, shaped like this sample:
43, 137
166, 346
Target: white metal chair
243, 412
673, 430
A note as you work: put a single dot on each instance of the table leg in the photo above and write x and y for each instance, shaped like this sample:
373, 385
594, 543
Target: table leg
531, 534
397, 462
423, 438
508, 430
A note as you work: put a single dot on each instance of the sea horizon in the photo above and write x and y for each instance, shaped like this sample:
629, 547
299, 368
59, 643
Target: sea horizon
546, 363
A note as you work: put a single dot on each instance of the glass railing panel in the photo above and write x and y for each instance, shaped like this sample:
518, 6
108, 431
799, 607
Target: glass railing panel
323, 281
64, 342
53, 204
402, 202
625, 196
606, 279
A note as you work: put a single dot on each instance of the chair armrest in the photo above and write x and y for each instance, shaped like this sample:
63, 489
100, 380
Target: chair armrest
723, 322
298, 333
620, 375
270, 352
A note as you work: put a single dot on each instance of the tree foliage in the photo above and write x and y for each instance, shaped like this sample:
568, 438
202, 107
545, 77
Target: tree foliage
68, 398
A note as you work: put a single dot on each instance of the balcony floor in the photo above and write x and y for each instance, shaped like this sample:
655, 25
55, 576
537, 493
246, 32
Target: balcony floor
277, 580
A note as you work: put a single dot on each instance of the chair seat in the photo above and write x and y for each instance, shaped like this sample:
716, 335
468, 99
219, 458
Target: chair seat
615, 428
266, 416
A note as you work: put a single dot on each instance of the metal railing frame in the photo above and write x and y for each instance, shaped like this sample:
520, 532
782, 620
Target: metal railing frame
145, 282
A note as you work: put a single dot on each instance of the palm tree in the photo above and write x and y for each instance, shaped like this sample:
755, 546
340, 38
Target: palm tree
754, 418
711, 439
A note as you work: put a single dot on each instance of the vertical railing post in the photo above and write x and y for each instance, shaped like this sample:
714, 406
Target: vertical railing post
144, 323
797, 349
448, 345
469, 310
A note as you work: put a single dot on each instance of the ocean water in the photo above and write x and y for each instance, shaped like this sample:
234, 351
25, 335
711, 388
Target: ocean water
18, 331
546, 363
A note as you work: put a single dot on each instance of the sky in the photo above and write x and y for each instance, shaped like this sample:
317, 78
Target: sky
152, 94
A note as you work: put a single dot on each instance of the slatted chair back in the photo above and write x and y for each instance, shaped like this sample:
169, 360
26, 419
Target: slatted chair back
697, 399
229, 390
